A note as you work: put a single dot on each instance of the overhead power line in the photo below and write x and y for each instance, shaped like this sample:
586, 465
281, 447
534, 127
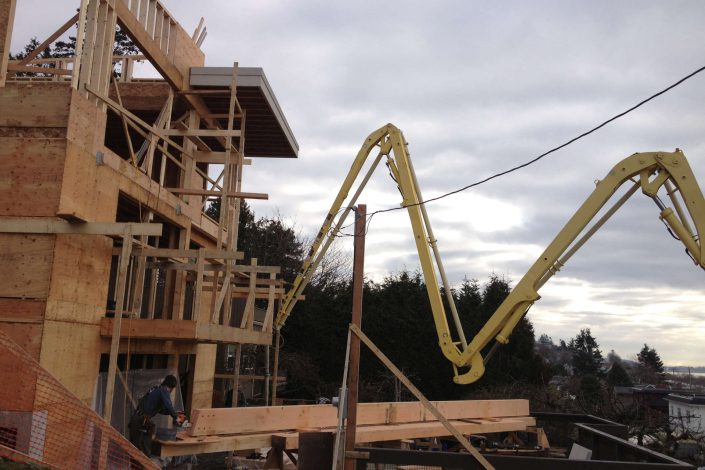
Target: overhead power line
536, 159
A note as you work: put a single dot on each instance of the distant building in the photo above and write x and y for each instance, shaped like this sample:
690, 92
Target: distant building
689, 409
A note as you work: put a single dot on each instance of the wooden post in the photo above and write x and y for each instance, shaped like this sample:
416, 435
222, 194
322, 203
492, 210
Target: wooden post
119, 305
276, 368
7, 19
267, 377
419, 396
354, 370
236, 374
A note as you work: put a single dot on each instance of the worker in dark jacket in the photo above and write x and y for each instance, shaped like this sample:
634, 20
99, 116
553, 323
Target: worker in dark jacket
156, 401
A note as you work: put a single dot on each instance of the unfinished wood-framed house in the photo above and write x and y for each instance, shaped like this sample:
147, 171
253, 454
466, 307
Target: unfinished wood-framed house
105, 245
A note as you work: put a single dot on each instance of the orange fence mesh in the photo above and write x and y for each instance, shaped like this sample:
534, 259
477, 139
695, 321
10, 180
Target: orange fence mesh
42, 422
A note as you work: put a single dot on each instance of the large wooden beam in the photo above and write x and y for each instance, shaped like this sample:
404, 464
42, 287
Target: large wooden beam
7, 19
213, 421
187, 445
46, 225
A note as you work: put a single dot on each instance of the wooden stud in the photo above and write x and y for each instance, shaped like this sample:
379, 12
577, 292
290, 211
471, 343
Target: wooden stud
151, 18
7, 20
197, 31
276, 367
90, 41
117, 323
142, 16
236, 374
98, 46
249, 313
80, 35
200, 265
124, 122
269, 314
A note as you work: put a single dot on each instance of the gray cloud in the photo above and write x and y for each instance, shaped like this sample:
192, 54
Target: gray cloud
478, 88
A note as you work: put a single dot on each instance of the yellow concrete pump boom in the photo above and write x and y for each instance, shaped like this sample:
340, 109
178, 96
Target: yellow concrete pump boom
648, 171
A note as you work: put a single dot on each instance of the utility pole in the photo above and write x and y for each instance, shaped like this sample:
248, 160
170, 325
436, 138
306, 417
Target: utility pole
354, 370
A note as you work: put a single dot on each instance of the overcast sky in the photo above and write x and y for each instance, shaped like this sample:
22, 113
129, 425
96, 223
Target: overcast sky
477, 88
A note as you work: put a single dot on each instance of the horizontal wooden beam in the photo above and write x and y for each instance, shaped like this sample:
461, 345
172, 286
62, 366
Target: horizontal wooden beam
223, 92
187, 445
280, 418
214, 158
208, 192
13, 67
178, 253
47, 225
229, 376
202, 132
183, 330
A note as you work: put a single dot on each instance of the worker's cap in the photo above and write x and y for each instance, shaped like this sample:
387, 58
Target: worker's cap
170, 381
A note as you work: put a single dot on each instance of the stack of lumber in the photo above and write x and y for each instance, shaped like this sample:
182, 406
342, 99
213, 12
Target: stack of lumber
228, 429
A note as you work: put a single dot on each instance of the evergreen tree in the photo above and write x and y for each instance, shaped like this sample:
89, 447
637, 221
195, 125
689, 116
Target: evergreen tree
618, 376
648, 357
587, 358
650, 369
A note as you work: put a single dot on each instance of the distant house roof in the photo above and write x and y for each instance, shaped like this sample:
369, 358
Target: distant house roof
687, 399
267, 132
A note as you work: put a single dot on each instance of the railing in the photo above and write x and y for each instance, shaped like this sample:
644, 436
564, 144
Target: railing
187, 285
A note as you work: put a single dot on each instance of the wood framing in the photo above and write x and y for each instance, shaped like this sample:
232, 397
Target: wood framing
46, 225
104, 184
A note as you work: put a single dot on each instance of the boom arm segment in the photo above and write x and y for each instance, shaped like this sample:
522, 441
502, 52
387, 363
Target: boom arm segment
390, 143
648, 171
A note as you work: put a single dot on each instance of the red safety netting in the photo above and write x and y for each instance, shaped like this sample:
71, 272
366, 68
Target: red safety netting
42, 422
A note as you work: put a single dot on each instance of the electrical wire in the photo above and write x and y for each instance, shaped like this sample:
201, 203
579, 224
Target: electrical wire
533, 160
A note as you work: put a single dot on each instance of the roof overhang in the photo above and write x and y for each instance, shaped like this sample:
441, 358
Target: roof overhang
267, 132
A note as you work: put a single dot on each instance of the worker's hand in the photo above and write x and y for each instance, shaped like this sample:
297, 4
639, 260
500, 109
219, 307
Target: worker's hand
180, 418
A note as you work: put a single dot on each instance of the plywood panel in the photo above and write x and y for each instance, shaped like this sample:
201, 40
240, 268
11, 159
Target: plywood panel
28, 336
30, 175
26, 310
20, 393
71, 353
89, 191
35, 105
186, 53
79, 278
26, 265
86, 123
